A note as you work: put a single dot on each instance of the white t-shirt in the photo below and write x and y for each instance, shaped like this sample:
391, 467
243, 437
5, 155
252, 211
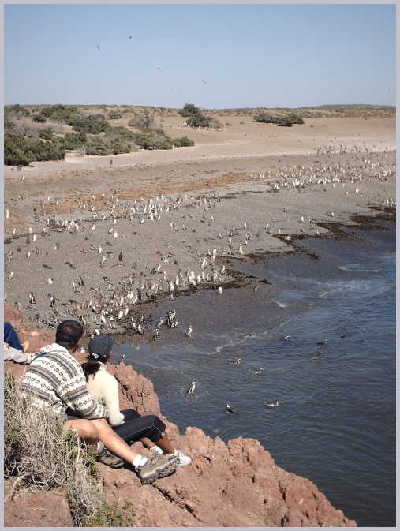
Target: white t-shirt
103, 386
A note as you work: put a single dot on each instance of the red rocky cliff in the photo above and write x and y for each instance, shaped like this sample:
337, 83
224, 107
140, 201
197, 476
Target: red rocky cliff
228, 484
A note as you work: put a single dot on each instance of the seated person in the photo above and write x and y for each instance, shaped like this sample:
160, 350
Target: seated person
129, 424
55, 381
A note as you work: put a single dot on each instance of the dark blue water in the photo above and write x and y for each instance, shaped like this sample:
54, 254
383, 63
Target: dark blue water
334, 376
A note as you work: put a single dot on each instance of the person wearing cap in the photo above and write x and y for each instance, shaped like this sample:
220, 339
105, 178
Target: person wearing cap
129, 424
55, 380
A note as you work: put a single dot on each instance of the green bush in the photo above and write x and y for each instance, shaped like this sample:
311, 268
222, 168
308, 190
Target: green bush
8, 124
118, 146
74, 140
153, 140
93, 124
294, 119
182, 141
120, 132
113, 515
47, 133
198, 120
39, 118
22, 150
60, 113
114, 115
96, 145
288, 120
145, 121
16, 111
266, 118
189, 110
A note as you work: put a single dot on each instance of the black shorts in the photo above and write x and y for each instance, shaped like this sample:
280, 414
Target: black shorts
135, 426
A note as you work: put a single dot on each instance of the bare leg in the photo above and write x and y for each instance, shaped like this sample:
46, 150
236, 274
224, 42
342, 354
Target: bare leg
100, 430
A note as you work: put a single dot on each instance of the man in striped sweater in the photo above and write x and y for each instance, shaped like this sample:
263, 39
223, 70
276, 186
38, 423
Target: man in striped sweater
55, 380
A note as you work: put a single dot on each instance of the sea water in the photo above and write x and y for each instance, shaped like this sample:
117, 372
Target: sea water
319, 338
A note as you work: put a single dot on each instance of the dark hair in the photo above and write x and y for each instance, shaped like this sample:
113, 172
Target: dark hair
69, 333
90, 367
99, 348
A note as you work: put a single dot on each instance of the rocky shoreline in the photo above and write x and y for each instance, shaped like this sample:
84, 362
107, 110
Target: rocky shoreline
229, 484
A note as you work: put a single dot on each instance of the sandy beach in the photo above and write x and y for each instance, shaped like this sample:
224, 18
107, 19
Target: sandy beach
92, 241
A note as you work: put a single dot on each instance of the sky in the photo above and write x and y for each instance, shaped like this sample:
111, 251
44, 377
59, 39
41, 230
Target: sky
212, 55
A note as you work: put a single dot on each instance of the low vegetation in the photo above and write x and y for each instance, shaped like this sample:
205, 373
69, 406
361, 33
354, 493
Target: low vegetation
40, 455
195, 117
287, 120
28, 141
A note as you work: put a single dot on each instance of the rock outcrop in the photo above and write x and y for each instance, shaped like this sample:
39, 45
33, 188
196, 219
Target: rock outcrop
228, 484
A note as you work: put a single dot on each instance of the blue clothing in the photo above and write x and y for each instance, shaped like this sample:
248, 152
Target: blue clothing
11, 337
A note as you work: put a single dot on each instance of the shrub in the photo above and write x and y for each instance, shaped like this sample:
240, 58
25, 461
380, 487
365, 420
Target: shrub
182, 141
294, 119
266, 118
118, 146
8, 124
114, 115
113, 515
47, 133
16, 110
44, 456
120, 132
60, 113
156, 139
96, 145
198, 120
146, 121
189, 110
287, 120
93, 123
74, 140
39, 118
215, 124
21, 150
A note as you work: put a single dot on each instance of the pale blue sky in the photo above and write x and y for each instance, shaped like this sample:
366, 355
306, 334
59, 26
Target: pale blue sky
212, 55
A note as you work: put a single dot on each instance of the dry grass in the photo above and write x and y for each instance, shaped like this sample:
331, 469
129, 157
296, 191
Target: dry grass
42, 456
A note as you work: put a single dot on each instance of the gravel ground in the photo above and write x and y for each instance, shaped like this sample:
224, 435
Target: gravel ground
77, 247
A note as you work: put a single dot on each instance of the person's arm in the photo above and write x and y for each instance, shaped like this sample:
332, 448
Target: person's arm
75, 395
13, 354
109, 389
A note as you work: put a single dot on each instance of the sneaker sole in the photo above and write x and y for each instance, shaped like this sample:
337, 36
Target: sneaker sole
111, 462
162, 473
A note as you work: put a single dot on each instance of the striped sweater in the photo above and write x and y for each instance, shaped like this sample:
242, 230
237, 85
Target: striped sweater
55, 379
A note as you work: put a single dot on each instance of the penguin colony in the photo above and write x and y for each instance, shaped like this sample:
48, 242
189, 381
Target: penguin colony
106, 259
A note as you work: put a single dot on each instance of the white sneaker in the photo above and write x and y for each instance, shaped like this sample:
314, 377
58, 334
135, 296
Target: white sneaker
156, 450
183, 460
